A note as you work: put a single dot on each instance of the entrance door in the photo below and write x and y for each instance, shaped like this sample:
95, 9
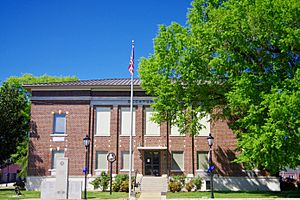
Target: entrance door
152, 163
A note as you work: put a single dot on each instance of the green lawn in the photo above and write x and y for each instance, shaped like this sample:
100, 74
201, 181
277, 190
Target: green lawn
106, 195
289, 194
10, 194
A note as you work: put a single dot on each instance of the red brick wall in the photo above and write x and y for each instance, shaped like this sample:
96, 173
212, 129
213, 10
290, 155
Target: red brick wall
77, 118
78, 126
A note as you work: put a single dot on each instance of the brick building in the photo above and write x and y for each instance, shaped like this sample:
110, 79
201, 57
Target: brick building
62, 114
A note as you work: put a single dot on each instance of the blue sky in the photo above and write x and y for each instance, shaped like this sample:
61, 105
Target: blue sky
90, 39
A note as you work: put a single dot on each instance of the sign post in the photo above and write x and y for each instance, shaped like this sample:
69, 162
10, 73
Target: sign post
111, 157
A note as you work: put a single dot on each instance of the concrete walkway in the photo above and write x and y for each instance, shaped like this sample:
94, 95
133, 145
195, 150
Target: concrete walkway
150, 196
153, 188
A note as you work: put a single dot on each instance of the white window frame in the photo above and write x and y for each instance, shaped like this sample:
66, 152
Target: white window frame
207, 156
55, 116
103, 153
149, 123
122, 161
53, 165
127, 110
104, 110
177, 170
175, 129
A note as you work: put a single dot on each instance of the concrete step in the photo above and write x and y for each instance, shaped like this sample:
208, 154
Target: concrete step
154, 184
150, 196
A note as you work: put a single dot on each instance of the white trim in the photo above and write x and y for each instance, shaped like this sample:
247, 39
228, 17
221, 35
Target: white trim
126, 170
152, 148
181, 135
58, 135
101, 170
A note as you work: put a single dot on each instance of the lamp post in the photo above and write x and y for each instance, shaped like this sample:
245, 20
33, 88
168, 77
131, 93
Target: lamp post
86, 142
210, 141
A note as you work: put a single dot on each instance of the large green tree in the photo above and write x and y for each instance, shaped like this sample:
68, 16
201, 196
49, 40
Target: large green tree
15, 117
235, 59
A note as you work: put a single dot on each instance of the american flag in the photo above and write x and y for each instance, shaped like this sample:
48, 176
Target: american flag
131, 62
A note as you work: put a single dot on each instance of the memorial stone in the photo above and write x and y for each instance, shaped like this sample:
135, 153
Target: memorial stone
48, 190
74, 190
62, 178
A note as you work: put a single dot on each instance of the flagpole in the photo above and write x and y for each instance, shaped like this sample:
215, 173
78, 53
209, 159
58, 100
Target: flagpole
131, 120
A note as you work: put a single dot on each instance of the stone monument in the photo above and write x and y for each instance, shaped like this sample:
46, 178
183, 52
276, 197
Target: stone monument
62, 178
61, 187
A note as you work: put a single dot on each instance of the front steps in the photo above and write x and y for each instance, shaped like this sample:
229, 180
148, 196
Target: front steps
153, 188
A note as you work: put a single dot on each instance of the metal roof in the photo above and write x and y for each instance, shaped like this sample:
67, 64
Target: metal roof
96, 82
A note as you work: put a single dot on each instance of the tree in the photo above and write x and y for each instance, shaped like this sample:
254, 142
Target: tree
15, 115
236, 59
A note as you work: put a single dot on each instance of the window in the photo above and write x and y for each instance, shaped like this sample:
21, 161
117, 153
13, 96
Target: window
175, 131
55, 156
152, 128
207, 183
206, 126
125, 121
59, 125
101, 160
177, 161
103, 121
125, 160
202, 161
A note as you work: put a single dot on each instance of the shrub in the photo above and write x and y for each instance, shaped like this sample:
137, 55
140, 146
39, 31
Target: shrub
101, 181
175, 186
116, 187
124, 186
189, 186
121, 177
287, 184
179, 178
197, 181
298, 185
119, 180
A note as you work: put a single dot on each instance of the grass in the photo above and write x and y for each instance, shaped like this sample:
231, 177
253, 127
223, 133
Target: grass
105, 195
9, 193
231, 194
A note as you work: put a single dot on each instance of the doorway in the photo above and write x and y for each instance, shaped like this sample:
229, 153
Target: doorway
152, 163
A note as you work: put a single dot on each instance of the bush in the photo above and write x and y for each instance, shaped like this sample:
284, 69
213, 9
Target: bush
121, 179
116, 187
179, 178
101, 181
175, 186
287, 184
298, 185
189, 186
197, 181
124, 186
